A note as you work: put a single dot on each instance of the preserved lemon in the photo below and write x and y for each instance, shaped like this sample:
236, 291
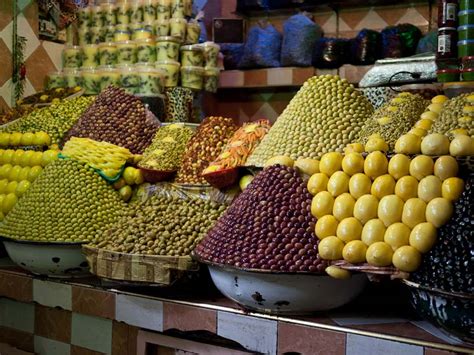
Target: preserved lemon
373, 232
429, 188
420, 132
406, 187
359, 185
435, 144
326, 226
317, 182
421, 166
397, 235
365, 208
382, 186
439, 211
446, 167
376, 144
452, 188
423, 237
354, 252
375, 164
338, 183
353, 163
390, 209
436, 108
330, 248
429, 115
439, 99
414, 212
343, 206
337, 272
424, 124
322, 204
307, 166
406, 258
399, 166
280, 160
408, 144
354, 148
349, 229
462, 146
330, 163
379, 254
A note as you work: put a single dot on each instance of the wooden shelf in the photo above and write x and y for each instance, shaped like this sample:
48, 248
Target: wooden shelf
284, 77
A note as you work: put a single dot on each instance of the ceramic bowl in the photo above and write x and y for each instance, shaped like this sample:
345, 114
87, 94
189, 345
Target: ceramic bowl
60, 260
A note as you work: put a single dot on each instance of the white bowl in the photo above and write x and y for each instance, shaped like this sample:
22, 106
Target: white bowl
285, 293
60, 260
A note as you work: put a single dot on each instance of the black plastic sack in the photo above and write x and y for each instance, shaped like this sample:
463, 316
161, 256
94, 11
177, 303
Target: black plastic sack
366, 48
262, 48
232, 54
300, 34
391, 43
410, 36
331, 53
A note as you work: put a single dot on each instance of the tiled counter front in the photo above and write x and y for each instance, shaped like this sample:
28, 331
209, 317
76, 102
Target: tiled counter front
52, 317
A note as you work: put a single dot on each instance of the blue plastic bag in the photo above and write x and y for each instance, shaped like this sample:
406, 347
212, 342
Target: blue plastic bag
232, 54
263, 47
299, 38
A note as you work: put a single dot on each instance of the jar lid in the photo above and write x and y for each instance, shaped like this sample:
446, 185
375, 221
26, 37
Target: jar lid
126, 42
145, 40
191, 68
467, 70
144, 64
465, 42
157, 22
446, 29
168, 62
70, 70
107, 67
192, 47
122, 31
465, 12
142, 29
447, 71
90, 45
465, 27
88, 69
70, 46
56, 72
107, 44
210, 44
212, 70
179, 20
168, 39
121, 27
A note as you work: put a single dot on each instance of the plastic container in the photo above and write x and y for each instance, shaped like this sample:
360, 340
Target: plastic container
83, 36
90, 55
211, 53
107, 16
96, 15
466, 32
193, 31
178, 28
107, 53
141, 33
167, 48
177, 9
90, 81
163, 10
466, 5
192, 55
465, 48
72, 57
136, 14
151, 80
134, 26
126, 52
447, 75
447, 13
146, 50
109, 34
122, 13
149, 26
149, 10
162, 28
84, 17
466, 17
188, 8
95, 35
467, 62
72, 78
447, 37
171, 70
55, 80
192, 77
467, 74
109, 75
129, 79
211, 79
121, 35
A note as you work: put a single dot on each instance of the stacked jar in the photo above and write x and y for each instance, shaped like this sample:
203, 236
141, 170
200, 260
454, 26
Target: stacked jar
466, 39
446, 55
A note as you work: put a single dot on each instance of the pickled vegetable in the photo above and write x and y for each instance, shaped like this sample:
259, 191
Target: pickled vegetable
123, 13
121, 35
108, 76
107, 15
91, 81
142, 33
108, 33
192, 55
72, 57
107, 53
95, 34
84, 17
167, 48
163, 10
188, 8
136, 14
129, 79
211, 54
211, 79
178, 28
172, 70
162, 28
149, 10
90, 55
126, 52
193, 31
83, 36
150, 80
177, 9
55, 80
72, 78
146, 50
192, 77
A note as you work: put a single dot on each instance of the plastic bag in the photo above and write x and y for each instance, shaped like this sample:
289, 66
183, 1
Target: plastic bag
410, 36
232, 54
391, 43
428, 44
263, 47
300, 34
366, 47
330, 53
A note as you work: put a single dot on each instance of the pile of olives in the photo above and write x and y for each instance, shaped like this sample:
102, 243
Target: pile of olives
456, 113
325, 115
68, 202
162, 225
55, 120
269, 226
118, 118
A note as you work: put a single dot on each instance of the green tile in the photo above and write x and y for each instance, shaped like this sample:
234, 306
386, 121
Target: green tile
17, 315
92, 333
45, 346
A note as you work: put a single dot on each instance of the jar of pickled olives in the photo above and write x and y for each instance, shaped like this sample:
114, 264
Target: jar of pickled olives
211, 53
72, 57
192, 77
55, 80
193, 31
141, 33
129, 79
107, 15
162, 28
90, 80
192, 55
150, 80
178, 28
136, 14
109, 75
96, 35
211, 79
146, 50
149, 10
90, 55
72, 78
107, 53
108, 33
83, 36
167, 48
177, 9
163, 10
122, 13
171, 70
126, 52
121, 33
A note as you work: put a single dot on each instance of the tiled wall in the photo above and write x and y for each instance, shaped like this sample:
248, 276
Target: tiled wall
41, 56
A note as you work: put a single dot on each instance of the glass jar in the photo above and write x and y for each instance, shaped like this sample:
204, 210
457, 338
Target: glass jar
108, 33
122, 14
83, 36
90, 81
146, 50
447, 39
192, 77
96, 16
72, 78
177, 9
96, 35
90, 55
447, 13
193, 31
109, 75
136, 14
211, 79
211, 53
150, 80
107, 53
167, 48
129, 79
192, 55
178, 28
84, 17
126, 52
171, 70
149, 10
163, 10
121, 34
188, 8
107, 15
141, 33
72, 57
55, 80
162, 28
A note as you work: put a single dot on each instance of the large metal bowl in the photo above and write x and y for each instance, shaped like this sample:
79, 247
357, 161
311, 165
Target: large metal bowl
285, 293
60, 260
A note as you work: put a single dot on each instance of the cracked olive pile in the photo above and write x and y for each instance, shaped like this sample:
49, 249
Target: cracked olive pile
394, 119
118, 118
67, 202
269, 226
165, 153
162, 225
450, 264
55, 120
204, 147
456, 113
325, 115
